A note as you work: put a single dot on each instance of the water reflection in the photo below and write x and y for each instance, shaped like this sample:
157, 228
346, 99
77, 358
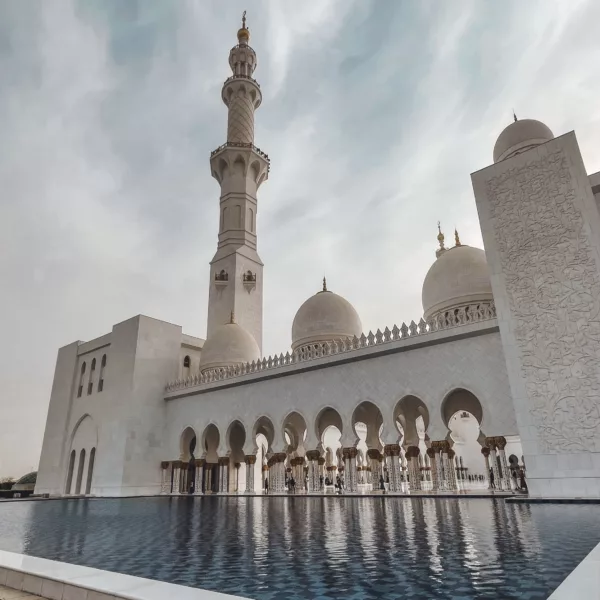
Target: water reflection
316, 547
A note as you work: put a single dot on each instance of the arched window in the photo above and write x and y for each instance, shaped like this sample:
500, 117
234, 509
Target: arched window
91, 379
80, 388
186, 362
101, 379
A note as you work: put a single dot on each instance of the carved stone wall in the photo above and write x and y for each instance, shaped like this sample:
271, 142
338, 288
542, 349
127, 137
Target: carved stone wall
553, 288
541, 231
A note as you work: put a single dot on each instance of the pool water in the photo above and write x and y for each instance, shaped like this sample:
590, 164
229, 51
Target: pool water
316, 548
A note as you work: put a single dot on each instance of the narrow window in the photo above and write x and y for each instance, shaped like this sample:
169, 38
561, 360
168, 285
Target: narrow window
91, 379
70, 472
80, 472
88, 485
251, 219
186, 362
101, 379
80, 388
238, 217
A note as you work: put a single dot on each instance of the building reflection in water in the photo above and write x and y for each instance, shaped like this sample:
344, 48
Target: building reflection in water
314, 547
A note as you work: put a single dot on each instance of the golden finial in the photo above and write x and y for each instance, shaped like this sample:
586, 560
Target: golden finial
243, 33
456, 238
515, 116
440, 237
232, 318
324, 284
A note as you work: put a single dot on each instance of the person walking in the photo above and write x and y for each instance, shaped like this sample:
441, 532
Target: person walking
492, 484
321, 482
266, 485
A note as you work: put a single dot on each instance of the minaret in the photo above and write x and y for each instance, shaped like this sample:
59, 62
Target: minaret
240, 167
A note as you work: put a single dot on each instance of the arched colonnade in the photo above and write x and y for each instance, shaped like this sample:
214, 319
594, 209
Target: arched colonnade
253, 457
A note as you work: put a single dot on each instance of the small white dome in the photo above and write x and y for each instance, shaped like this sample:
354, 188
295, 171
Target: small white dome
459, 276
229, 345
520, 136
324, 317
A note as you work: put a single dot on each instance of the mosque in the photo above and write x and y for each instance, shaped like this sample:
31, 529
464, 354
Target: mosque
501, 372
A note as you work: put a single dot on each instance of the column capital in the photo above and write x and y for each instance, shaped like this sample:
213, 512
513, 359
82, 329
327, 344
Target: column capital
349, 452
177, 464
250, 459
500, 442
165, 464
451, 454
200, 462
313, 455
374, 453
412, 452
431, 452
321, 460
441, 445
485, 451
392, 450
224, 460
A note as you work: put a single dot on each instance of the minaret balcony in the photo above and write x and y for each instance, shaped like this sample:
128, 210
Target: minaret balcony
234, 77
223, 155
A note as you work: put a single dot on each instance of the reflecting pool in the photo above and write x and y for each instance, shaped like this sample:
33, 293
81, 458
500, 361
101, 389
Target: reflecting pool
359, 548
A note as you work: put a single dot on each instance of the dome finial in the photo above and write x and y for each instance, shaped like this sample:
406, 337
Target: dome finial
515, 116
324, 284
440, 238
232, 318
244, 20
456, 238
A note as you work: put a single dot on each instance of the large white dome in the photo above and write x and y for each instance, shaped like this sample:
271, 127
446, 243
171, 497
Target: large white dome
520, 136
324, 317
459, 276
229, 345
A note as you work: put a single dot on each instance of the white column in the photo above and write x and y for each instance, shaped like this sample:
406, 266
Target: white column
176, 477
392, 452
198, 481
494, 462
349, 455
250, 462
501, 443
165, 480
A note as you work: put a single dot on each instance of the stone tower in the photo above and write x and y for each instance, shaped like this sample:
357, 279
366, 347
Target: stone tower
240, 167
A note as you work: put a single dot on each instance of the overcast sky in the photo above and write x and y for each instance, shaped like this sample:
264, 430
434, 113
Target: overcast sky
374, 115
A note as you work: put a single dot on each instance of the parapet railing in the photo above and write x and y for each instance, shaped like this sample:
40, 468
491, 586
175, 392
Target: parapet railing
241, 145
240, 76
472, 313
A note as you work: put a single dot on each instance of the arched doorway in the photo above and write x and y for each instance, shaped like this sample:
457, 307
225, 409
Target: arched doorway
210, 442
187, 447
462, 414
236, 438
263, 434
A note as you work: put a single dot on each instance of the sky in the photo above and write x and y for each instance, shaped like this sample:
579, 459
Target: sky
374, 115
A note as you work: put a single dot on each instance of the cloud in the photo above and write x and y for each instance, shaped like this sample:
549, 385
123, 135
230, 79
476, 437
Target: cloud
374, 115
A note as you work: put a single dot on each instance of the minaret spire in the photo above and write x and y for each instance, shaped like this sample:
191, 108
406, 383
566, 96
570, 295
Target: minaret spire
240, 168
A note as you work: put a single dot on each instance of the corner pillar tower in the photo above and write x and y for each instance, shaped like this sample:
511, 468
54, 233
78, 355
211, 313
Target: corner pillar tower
240, 168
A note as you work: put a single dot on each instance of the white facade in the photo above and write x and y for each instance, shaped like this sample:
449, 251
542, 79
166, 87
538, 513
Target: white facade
147, 409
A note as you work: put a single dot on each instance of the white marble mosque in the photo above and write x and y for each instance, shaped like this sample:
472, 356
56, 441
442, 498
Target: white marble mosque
501, 371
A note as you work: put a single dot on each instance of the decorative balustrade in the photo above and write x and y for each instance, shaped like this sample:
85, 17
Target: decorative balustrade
473, 313
240, 76
241, 145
